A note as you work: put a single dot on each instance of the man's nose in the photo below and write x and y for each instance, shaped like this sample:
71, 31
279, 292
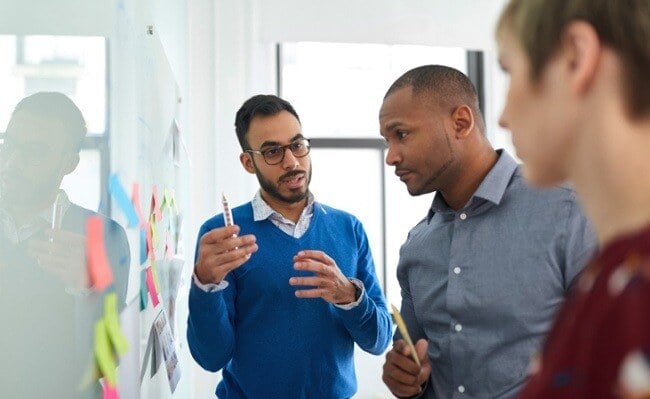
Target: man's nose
392, 156
290, 161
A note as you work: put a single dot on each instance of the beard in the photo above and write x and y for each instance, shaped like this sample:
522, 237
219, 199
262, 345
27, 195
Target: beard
272, 188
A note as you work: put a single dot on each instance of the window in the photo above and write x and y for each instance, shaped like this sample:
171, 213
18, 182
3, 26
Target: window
337, 90
77, 67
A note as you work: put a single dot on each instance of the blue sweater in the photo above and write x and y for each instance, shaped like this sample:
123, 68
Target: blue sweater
271, 344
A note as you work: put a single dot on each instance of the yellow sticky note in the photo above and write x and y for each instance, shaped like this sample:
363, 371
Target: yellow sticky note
154, 232
104, 354
172, 201
154, 274
405, 333
165, 200
111, 319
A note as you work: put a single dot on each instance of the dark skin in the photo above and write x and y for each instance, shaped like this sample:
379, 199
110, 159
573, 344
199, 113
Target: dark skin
401, 374
433, 147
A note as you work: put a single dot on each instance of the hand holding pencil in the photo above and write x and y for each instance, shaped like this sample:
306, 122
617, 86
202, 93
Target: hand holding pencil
222, 250
401, 326
407, 366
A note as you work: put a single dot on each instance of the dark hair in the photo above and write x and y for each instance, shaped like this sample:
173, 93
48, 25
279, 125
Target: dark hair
60, 110
261, 104
449, 87
624, 26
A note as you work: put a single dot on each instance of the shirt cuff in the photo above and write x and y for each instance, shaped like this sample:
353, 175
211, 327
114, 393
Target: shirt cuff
354, 304
209, 287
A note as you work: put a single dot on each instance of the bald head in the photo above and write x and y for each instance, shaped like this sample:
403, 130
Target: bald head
445, 86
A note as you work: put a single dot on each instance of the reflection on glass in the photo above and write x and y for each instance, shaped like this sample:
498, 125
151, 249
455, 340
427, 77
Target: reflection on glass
83, 185
72, 65
45, 290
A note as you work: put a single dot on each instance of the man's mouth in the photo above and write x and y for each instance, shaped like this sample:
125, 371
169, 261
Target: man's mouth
402, 174
294, 180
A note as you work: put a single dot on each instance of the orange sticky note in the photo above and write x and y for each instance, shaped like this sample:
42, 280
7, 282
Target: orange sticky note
99, 270
153, 293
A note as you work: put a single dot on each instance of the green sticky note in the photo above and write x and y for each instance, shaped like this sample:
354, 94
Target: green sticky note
104, 354
112, 322
143, 289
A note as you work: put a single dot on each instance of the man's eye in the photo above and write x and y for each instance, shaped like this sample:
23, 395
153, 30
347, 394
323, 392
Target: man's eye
401, 134
272, 152
296, 146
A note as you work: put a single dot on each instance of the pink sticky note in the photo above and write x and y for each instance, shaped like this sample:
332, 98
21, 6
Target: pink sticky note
99, 270
110, 392
135, 199
155, 204
153, 293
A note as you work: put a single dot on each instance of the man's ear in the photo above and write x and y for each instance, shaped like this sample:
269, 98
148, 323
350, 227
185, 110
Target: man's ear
582, 47
463, 121
246, 160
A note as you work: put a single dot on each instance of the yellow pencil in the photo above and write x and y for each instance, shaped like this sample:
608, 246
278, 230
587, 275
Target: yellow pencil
405, 333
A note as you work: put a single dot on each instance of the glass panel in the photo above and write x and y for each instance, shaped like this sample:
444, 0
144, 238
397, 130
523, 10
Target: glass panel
45, 238
75, 66
83, 185
350, 180
337, 88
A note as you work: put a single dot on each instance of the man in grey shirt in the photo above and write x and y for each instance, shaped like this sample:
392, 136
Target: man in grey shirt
484, 272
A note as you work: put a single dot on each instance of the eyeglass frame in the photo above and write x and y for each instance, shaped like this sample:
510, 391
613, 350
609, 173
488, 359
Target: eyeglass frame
284, 149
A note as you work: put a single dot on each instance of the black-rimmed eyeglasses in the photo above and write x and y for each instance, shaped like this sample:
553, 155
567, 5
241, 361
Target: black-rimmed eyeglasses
273, 155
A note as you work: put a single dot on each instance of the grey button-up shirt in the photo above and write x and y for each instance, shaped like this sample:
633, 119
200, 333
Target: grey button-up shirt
482, 284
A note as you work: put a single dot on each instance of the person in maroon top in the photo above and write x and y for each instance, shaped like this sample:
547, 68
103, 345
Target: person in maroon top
578, 106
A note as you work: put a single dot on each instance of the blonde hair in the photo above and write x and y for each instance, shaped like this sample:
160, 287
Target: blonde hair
622, 25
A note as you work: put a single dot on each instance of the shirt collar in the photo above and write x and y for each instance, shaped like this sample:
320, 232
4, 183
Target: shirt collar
262, 210
8, 223
495, 183
492, 188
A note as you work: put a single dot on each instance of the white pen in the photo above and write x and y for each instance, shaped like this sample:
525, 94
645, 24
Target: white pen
227, 214
57, 212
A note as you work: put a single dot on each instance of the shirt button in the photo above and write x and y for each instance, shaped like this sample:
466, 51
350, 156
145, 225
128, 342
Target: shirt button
458, 328
457, 270
463, 216
461, 389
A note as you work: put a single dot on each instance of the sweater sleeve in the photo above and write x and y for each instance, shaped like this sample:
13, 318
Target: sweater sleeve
369, 323
210, 328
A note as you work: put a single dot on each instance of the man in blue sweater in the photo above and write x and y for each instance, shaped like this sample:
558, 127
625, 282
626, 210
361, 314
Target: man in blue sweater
279, 299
